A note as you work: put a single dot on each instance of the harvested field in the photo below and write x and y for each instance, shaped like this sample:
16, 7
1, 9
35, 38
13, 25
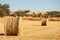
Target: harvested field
32, 30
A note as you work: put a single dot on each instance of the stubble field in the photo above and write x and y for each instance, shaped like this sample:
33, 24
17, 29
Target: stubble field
32, 30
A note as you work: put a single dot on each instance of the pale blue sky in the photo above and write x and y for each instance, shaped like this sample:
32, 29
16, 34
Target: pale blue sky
41, 5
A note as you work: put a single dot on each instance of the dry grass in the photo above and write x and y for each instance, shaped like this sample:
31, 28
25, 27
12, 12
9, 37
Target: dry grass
31, 18
32, 30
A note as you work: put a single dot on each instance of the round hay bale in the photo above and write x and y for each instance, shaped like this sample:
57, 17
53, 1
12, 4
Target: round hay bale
43, 23
11, 26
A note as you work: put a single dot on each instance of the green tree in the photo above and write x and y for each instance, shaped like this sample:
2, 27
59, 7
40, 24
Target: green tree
4, 10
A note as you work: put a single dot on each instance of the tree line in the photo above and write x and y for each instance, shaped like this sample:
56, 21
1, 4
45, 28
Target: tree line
5, 11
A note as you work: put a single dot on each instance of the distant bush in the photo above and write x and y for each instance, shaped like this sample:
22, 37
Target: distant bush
54, 19
54, 13
39, 15
33, 15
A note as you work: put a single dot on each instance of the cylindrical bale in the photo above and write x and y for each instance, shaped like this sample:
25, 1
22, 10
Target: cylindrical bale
44, 22
11, 26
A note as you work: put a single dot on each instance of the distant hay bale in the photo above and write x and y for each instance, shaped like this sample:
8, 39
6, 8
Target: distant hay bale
44, 22
33, 19
53, 19
11, 26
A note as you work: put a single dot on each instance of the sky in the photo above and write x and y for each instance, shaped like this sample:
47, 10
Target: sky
39, 5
